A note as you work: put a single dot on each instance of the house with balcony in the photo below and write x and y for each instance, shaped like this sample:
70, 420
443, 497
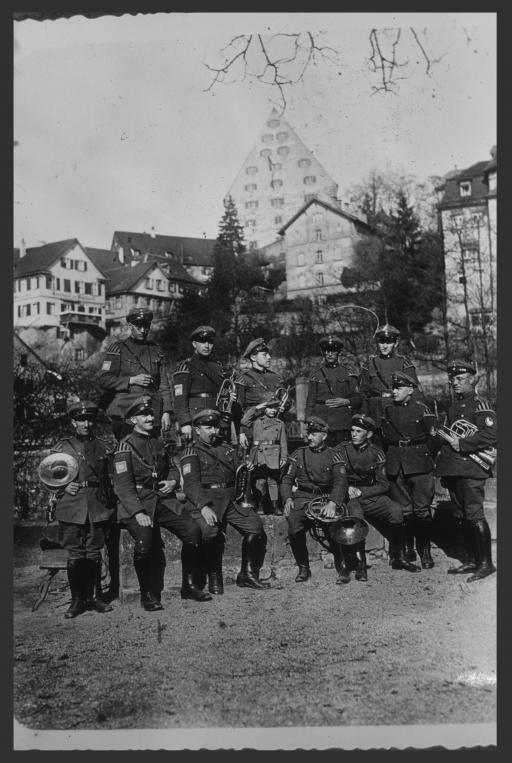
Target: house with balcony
59, 299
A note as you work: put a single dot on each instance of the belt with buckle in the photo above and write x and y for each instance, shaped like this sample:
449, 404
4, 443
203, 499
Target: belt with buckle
314, 490
266, 442
406, 443
90, 483
202, 394
140, 485
217, 484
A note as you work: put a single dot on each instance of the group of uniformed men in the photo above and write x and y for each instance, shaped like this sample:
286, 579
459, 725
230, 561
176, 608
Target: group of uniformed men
372, 447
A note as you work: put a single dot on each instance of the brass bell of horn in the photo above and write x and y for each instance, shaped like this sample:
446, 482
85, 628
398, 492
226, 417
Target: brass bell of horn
57, 470
349, 530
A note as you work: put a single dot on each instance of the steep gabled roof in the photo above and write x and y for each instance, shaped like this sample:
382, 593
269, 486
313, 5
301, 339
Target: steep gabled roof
125, 277
331, 208
190, 251
479, 190
104, 259
38, 259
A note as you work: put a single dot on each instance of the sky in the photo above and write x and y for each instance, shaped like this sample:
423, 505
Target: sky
116, 129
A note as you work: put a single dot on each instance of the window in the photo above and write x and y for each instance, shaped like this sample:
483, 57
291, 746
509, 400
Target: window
57, 284
26, 310
18, 285
276, 184
481, 318
279, 202
159, 284
465, 188
253, 245
81, 308
320, 278
91, 309
283, 150
63, 263
318, 234
273, 123
250, 187
119, 304
27, 284
67, 284
251, 170
304, 162
88, 288
36, 279
250, 223
79, 287
319, 256
100, 289
265, 152
267, 138
300, 259
276, 166
79, 354
19, 311
81, 265
37, 308
309, 180
48, 282
148, 283
282, 135
278, 220
251, 204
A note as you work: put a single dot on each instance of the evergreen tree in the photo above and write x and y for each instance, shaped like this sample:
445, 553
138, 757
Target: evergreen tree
223, 285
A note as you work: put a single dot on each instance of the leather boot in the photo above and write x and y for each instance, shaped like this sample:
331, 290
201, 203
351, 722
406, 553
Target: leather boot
148, 600
361, 573
190, 565
469, 564
410, 553
277, 509
399, 561
77, 586
340, 563
94, 599
299, 549
423, 544
484, 565
214, 550
253, 553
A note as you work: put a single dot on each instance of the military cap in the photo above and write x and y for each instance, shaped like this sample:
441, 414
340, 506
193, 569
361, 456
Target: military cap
460, 367
205, 417
203, 332
399, 379
316, 424
257, 345
330, 343
82, 408
387, 332
139, 315
364, 422
143, 404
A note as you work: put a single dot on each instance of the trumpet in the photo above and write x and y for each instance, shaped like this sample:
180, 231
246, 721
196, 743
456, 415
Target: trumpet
226, 395
461, 428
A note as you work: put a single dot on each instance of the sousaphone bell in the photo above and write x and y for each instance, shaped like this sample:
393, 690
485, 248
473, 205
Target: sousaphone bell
57, 470
342, 528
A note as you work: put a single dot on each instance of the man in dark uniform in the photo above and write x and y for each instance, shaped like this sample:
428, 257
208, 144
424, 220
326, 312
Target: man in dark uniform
197, 380
464, 463
84, 509
333, 391
144, 481
365, 466
316, 470
376, 374
132, 367
408, 428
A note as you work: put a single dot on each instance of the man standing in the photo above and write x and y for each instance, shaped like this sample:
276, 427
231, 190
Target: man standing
197, 380
132, 367
208, 467
408, 428
145, 481
464, 463
84, 509
377, 373
333, 392
365, 466
315, 470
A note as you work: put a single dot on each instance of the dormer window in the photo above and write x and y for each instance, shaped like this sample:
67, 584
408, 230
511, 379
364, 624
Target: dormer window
465, 188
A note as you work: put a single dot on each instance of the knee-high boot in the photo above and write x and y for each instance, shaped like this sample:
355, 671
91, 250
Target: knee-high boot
469, 564
94, 600
484, 565
300, 553
190, 566
213, 552
361, 573
253, 553
409, 533
399, 561
148, 599
78, 587
340, 563
423, 543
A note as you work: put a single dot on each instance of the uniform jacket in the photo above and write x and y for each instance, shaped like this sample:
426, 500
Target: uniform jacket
365, 468
91, 502
326, 382
127, 358
409, 429
477, 411
254, 387
375, 382
196, 384
139, 463
268, 437
203, 466
321, 469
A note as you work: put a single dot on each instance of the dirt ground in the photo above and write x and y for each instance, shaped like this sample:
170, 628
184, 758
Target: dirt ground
400, 649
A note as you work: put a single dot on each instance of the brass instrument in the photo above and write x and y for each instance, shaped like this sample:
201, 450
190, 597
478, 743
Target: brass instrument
55, 472
461, 428
282, 394
226, 396
243, 487
346, 530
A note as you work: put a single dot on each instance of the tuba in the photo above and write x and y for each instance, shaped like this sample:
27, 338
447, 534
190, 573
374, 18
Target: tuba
342, 528
461, 428
57, 470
